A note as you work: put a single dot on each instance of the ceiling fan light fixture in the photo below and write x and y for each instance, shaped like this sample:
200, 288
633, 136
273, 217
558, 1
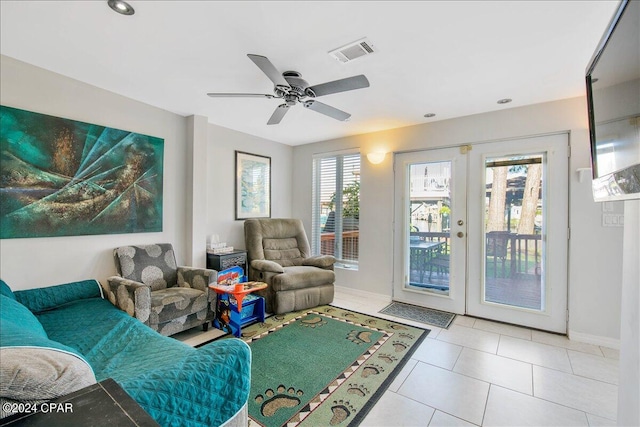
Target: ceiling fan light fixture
429, 115
504, 100
122, 7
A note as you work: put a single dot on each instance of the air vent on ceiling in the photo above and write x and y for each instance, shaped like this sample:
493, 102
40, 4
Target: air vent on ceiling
353, 50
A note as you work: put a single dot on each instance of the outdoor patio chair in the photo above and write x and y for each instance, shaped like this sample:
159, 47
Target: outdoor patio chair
439, 261
497, 242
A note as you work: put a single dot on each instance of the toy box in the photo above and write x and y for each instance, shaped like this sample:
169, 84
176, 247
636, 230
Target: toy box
231, 276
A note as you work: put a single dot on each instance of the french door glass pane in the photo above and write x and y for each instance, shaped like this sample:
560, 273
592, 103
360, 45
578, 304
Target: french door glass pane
430, 228
514, 231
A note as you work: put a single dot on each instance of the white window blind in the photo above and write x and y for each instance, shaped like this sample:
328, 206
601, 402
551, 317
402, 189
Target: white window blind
336, 206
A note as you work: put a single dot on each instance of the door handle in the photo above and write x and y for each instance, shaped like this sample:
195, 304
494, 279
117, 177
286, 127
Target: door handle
460, 234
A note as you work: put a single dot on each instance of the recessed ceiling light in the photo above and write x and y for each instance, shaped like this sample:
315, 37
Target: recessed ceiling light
429, 115
504, 100
121, 7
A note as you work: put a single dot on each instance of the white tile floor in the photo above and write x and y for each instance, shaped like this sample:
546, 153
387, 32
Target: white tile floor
486, 373
480, 372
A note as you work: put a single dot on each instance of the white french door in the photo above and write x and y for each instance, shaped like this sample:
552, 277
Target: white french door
483, 230
518, 274
430, 229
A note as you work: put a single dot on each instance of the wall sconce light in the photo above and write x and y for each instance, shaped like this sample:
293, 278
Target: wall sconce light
376, 158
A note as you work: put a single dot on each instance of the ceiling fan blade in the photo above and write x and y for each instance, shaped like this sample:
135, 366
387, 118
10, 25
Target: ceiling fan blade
240, 95
342, 85
277, 115
267, 67
327, 110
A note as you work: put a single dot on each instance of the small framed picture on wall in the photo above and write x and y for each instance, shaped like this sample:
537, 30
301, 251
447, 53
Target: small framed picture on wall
253, 186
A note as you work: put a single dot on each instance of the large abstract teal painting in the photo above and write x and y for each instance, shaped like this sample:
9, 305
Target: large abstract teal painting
61, 177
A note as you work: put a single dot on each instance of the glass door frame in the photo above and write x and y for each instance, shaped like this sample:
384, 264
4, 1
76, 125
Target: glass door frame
466, 295
454, 302
555, 233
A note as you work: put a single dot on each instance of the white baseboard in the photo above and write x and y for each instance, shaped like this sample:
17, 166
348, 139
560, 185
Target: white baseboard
594, 339
365, 295
573, 335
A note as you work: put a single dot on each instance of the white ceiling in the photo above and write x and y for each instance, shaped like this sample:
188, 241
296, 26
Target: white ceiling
452, 58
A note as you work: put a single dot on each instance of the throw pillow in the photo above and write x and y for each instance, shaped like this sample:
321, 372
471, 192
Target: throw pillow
18, 324
37, 374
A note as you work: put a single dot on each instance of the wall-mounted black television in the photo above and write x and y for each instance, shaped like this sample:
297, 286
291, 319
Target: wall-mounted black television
613, 97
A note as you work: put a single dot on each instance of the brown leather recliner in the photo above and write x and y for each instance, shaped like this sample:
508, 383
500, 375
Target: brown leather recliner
279, 255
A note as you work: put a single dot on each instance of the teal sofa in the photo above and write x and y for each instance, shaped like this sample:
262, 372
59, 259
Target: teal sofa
59, 339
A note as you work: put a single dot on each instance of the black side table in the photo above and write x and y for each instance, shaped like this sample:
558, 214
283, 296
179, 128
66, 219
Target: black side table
104, 404
221, 262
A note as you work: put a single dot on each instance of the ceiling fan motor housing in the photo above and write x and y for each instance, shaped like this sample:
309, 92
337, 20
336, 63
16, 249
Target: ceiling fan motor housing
297, 83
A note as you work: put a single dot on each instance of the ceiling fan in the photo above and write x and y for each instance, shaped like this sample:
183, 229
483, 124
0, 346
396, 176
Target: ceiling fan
293, 89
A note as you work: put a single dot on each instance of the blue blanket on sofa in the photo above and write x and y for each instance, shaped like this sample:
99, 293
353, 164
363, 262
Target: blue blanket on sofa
175, 383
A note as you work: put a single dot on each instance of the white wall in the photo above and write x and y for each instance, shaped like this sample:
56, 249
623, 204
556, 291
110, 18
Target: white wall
220, 176
594, 296
196, 189
199, 171
595, 253
36, 262
629, 385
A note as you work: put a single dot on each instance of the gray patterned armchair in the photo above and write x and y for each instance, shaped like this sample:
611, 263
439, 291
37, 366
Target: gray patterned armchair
153, 289
279, 255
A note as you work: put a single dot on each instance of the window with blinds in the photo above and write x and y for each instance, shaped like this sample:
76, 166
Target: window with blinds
336, 207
